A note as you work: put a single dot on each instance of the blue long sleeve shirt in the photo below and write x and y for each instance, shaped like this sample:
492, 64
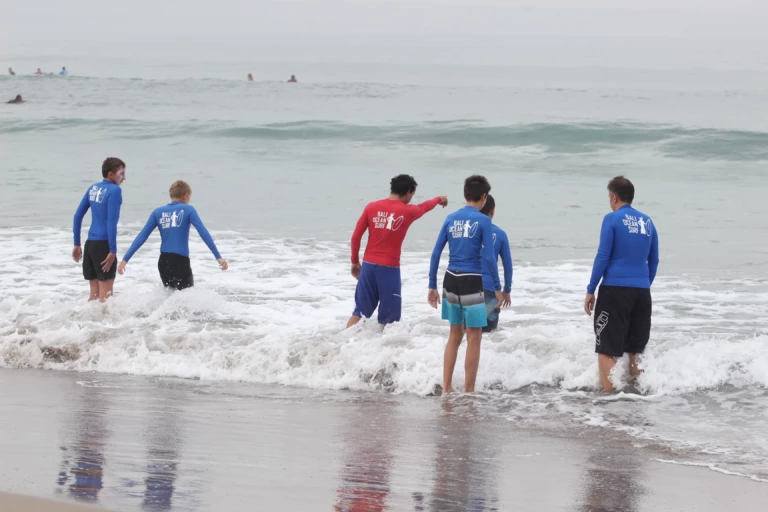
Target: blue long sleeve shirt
629, 251
469, 236
104, 199
500, 248
173, 221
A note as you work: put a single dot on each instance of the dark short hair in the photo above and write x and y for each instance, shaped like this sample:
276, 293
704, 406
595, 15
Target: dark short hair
623, 188
475, 186
402, 184
111, 164
490, 204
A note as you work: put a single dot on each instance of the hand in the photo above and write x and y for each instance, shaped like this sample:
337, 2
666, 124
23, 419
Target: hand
77, 253
499, 299
433, 298
223, 265
589, 304
108, 262
121, 267
443, 201
356, 270
507, 300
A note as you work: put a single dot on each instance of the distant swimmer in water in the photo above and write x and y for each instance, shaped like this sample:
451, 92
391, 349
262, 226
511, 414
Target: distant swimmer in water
293, 79
173, 221
250, 77
11, 72
387, 222
39, 71
64, 71
17, 99
104, 199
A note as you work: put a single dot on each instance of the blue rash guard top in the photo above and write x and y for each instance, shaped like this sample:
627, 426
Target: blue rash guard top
173, 220
629, 251
500, 248
104, 199
469, 236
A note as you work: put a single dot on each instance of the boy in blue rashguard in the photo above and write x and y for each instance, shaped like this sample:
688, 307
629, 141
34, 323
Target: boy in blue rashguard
174, 220
469, 236
500, 248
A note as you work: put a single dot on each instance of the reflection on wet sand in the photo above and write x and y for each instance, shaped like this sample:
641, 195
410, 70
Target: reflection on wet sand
365, 473
466, 463
163, 440
82, 467
613, 479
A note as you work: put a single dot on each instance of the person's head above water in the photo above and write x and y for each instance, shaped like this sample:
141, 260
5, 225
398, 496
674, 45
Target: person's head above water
113, 169
620, 192
490, 206
476, 189
180, 191
404, 187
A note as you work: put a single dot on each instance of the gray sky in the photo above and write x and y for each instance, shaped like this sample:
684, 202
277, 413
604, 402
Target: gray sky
700, 19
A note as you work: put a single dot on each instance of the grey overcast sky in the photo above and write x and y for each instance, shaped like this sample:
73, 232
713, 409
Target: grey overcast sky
132, 19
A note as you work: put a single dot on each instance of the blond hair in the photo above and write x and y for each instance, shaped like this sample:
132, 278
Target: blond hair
179, 188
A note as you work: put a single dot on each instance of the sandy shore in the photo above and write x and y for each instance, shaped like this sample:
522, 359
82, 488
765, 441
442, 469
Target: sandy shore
17, 503
132, 443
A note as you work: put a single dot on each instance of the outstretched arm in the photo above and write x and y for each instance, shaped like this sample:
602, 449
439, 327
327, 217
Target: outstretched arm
194, 219
417, 211
142, 237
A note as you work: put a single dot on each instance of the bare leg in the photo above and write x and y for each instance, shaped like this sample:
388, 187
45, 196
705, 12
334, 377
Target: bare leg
606, 364
451, 353
634, 371
105, 289
352, 321
94, 290
472, 360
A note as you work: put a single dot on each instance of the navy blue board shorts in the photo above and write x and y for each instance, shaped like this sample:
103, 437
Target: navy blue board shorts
492, 310
378, 286
463, 300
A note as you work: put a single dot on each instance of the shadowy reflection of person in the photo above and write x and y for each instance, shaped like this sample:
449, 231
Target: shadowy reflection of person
614, 478
163, 439
466, 464
364, 475
83, 463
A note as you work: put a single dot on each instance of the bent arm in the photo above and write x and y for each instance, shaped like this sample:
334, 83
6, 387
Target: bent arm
77, 223
194, 218
142, 237
603, 254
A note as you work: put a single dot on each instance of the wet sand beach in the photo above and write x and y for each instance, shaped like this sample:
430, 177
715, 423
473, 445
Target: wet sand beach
138, 443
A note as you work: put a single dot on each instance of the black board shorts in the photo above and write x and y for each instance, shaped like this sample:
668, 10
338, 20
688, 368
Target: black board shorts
175, 271
94, 252
622, 319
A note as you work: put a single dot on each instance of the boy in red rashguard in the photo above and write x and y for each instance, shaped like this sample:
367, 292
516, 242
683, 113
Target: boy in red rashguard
387, 222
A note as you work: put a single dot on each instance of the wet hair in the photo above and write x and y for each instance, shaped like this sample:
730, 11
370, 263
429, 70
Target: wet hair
490, 204
623, 188
18, 97
402, 184
475, 186
111, 164
179, 188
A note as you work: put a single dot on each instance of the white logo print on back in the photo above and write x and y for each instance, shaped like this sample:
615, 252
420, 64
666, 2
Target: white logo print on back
97, 194
171, 219
463, 229
386, 220
637, 226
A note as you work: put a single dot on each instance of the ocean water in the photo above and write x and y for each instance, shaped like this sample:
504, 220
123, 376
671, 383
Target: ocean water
280, 173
